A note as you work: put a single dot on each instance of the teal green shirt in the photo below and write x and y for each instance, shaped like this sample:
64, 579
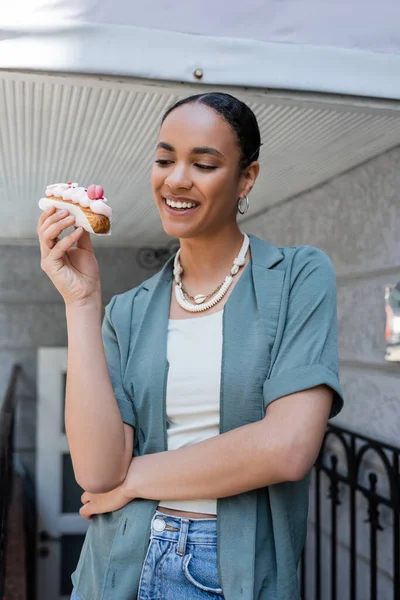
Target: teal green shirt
279, 337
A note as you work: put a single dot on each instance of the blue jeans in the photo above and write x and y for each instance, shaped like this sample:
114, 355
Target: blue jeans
181, 560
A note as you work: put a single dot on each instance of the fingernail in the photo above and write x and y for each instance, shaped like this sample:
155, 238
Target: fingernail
63, 213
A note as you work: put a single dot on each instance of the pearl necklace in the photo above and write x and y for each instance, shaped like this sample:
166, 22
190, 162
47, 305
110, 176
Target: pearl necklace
199, 299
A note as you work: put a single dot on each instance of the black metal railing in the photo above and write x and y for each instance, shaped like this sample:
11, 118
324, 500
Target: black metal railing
7, 412
353, 544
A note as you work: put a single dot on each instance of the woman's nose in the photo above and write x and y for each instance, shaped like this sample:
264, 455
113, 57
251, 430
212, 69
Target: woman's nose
178, 178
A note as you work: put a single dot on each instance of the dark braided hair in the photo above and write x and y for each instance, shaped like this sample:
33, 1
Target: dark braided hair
239, 116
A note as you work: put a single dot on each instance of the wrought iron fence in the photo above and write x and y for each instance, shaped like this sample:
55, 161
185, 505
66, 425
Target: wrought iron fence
6, 465
353, 545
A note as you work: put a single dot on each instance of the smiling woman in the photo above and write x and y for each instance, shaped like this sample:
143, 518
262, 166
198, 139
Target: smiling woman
208, 394
207, 158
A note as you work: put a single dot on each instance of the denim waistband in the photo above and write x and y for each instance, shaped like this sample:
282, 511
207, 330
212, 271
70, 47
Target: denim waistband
183, 530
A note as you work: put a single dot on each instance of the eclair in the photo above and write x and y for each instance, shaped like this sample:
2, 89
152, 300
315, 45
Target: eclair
87, 205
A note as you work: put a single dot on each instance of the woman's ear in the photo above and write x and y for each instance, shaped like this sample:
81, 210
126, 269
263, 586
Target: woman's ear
249, 177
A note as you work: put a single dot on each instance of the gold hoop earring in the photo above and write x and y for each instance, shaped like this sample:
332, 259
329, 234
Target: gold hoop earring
244, 210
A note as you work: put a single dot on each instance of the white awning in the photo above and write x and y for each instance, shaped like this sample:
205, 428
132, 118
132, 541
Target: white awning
342, 47
84, 84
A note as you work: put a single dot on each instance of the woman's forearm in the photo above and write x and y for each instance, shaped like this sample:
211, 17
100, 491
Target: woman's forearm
281, 447
240, 460
93, 422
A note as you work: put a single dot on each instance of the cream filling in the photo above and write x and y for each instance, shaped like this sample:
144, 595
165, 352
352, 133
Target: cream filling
81, 219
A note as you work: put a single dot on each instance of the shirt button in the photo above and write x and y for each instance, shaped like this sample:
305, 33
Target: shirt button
159, 525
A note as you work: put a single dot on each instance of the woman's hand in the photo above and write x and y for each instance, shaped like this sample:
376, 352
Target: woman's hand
73, 271
95, 504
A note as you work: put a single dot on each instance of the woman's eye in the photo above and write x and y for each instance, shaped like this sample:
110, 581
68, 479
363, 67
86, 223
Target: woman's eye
205, 167
163, 162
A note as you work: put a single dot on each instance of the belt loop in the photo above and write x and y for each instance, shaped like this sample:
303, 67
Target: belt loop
181, 548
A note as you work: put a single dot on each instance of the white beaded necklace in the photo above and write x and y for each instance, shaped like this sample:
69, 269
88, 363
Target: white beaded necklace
200, 305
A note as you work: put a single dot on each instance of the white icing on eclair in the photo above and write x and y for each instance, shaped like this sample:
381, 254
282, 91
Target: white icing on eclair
78, 195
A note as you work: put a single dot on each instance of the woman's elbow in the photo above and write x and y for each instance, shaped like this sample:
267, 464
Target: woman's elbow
297, 464
98, 485
100, 479
297, 473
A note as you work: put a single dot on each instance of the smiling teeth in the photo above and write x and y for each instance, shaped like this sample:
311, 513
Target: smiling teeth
174, 204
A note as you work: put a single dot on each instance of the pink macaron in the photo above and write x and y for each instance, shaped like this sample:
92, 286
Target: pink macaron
95, 192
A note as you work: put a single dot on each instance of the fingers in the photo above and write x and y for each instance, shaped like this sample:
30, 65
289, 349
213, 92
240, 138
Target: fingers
66, 243
50, 227
83, 511
46, 213
84, 242
55, 224
49, 216
52, 223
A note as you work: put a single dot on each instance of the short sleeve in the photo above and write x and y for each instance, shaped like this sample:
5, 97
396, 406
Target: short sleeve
113, 356
306, 354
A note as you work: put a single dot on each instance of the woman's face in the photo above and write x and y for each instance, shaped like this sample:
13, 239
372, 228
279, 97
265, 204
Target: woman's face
195, 177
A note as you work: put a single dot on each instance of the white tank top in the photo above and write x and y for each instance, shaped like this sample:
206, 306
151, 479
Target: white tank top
194, 353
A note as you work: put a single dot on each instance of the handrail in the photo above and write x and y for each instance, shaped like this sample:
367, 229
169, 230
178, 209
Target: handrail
7, 412
360, 477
